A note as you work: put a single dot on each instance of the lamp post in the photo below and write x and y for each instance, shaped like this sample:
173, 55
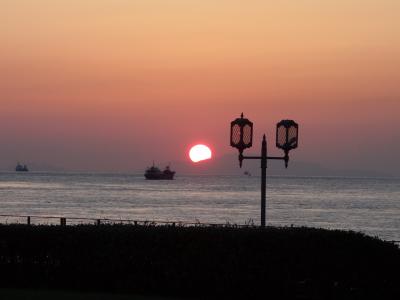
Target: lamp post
287, 132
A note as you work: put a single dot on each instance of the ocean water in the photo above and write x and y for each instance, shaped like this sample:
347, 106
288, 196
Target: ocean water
370, 205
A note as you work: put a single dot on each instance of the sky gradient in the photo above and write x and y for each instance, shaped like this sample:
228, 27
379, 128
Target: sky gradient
111, 85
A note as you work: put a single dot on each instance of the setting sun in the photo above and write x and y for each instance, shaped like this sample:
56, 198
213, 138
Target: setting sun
200, 152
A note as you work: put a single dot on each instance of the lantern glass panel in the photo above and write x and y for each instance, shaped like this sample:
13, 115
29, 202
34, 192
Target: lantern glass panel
292, 137
281, 136
247, 135
235, 134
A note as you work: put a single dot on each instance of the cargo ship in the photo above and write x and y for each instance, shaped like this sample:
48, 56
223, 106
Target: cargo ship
154, 173
21, 168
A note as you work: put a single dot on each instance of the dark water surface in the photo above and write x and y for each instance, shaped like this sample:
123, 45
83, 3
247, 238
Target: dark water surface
370, 205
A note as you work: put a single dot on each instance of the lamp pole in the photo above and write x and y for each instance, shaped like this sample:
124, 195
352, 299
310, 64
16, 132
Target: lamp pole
263, 179
286, 139
264, 158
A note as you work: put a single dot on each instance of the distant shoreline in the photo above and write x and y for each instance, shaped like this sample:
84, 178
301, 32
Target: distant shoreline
255, 175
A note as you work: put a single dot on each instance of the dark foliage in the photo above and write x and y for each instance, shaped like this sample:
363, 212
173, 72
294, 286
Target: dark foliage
295, 263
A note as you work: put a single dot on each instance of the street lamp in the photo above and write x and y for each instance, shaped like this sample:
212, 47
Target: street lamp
287, 132
241, 135
287, 135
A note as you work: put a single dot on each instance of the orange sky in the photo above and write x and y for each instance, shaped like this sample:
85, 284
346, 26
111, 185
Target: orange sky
113, 84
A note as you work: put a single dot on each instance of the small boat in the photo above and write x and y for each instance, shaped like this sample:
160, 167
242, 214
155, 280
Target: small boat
21, 168
247, 173
154, 173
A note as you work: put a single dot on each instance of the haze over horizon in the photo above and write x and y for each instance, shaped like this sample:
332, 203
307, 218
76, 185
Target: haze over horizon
113, 85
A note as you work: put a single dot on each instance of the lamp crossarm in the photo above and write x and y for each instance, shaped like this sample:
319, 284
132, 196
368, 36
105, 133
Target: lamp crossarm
268, 157
284, 158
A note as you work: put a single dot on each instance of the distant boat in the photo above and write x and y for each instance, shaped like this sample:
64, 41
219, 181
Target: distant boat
247, 173
21, 168
154, 173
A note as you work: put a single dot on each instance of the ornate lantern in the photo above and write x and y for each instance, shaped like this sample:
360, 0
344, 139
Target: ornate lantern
287, 134
241, 134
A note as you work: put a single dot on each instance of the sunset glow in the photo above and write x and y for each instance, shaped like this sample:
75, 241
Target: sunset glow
200, 152
87, 85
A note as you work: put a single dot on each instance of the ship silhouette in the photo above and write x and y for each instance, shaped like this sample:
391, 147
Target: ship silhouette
154, 173
21, 168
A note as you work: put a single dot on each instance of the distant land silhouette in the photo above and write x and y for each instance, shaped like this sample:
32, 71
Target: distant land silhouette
34, 167
228, 165
222, 165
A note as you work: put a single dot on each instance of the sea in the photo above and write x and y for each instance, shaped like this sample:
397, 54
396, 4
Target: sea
369, 205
